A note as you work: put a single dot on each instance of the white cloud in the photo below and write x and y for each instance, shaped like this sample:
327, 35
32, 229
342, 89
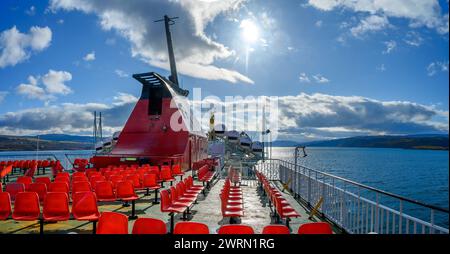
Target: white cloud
304, 78
420, 13
381, 68
194, 49
60, 21
301, 116
31, 11
370, 23
16, 47
435, 67
413, 39
320, 79
89, 57
121, 73
319, 23
53, 84
3, 95
390, 45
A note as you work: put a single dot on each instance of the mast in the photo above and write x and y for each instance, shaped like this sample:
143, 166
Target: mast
173, 68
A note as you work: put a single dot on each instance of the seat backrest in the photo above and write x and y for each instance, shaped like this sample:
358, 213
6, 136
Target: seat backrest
322, 228
26, 205
58, 187
40, 189
192, 228
62, 179
64, 174
5, 205
84, 204
165, 173
149, 226
149, 180
176, 169
80, 179
44, 179
104, 189
56, 204
14, 188
81, 187
24, 179
112, 223
276, 229
235, 229
125, 189
165, 200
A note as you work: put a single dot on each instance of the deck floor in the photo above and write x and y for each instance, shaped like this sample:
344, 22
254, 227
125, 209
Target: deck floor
256, 213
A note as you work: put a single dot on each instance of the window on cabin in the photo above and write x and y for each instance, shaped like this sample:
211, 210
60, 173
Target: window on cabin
155, 100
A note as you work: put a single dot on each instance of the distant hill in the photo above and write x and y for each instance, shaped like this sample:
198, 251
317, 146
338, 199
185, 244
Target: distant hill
64, 137
18, 143
428, 141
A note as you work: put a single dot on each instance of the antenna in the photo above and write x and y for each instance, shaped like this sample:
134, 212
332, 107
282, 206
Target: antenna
173, 68
95, 129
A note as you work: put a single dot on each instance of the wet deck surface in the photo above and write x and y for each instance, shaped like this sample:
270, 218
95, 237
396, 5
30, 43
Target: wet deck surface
256, 213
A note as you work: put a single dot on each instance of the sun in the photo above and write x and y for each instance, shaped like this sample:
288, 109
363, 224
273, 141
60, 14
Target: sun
249, 31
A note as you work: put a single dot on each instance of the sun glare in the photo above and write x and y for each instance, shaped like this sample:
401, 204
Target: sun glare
250, 31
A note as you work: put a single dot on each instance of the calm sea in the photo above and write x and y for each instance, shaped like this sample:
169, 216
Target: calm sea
417, 174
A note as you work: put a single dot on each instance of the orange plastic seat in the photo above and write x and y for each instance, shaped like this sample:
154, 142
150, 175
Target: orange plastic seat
112, 223
149, 226
322, 228
13, 189
191, 228
235, 230
84, 208
276, 230
5, 205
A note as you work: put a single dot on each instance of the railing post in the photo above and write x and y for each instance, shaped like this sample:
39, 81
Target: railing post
309, 187
400, 217
432, 222
377, 223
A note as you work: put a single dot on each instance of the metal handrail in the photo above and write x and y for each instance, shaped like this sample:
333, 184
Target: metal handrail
445, 210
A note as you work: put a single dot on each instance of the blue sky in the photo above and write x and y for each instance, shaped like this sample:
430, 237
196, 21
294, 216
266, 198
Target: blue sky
341, 68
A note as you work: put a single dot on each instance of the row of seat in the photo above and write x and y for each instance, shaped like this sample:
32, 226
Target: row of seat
55, 207
8, 168
282, 208
117, 223
231, 198
179, 199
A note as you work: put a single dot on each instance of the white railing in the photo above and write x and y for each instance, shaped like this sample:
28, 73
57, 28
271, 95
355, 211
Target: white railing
356, 208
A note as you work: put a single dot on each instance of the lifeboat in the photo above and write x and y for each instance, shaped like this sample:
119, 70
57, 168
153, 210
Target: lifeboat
233, 136
257, 147
219, 130
245, 142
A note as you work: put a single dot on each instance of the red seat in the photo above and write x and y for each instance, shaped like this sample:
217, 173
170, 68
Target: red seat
63, 174
315, 228
62, 179
166, 175
149, 226
77, 174
14, 188
5, 205
80, 187
104, 191
56, 207
285, 211
26, 207
149, 182
40, 189
44, 179
59, 187
276, 229
235, 230
26, 180
135, 180
79, 179
168, 207
84, 207
112, 223
125, 192
176, 171
191, 228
